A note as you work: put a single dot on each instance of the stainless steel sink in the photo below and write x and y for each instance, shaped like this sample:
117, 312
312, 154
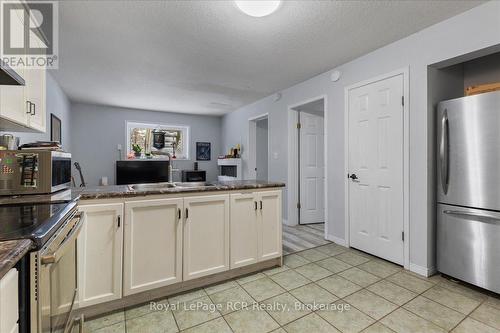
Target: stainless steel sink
162, 186
193, 184
151, 186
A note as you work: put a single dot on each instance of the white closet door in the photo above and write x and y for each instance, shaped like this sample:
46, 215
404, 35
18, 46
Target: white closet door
376, 160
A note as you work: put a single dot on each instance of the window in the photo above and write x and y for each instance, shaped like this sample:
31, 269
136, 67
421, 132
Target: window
173, 139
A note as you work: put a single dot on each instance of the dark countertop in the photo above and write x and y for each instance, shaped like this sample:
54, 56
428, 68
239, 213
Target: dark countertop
62, 196
11, 252
119, 191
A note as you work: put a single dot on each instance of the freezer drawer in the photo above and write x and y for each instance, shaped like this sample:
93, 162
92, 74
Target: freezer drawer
468, 245
468, 160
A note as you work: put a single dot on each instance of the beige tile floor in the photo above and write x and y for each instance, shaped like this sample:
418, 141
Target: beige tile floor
376, 296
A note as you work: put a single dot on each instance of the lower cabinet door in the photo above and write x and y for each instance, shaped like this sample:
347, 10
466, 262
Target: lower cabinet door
99, 250
270, 225
9, 302
244, 229
153, 244
206, 236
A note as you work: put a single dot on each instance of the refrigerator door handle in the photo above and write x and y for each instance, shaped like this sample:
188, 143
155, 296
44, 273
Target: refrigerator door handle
493, 219
444, 151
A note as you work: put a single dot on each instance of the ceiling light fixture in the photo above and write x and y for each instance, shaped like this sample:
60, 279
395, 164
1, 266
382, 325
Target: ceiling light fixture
258, 8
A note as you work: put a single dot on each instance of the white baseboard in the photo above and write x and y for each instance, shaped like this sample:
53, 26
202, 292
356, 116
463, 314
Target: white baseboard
424, 271
336, 240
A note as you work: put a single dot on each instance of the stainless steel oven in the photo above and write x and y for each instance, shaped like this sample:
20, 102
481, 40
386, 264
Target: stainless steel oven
34, 171
54, 280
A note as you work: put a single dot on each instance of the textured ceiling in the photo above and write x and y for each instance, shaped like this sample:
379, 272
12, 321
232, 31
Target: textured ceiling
207, 57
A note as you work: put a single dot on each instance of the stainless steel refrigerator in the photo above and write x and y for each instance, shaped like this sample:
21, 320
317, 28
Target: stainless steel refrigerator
468, 189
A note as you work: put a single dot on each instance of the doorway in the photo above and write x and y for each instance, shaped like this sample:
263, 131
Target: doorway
376, 158
258, 146
310, 161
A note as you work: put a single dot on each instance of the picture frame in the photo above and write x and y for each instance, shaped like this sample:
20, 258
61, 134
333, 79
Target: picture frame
55, 129
203, 151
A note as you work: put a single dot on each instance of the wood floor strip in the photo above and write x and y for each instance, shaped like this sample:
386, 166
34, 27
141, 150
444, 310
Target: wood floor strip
300, 240
306, 235
302, 237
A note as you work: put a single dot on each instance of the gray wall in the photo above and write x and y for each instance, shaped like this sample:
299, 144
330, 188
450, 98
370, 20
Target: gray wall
468, 32
261, 149
58, 104
97, 130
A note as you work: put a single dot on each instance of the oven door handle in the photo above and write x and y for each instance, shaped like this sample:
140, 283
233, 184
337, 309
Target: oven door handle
63, 248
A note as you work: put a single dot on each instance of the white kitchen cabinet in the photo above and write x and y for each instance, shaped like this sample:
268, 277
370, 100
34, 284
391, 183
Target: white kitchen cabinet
255, 227
205, 236
100, 254
244, 230
35, 97
153, 244
270, 227
36, 93
13, 107
24, 106
9, 302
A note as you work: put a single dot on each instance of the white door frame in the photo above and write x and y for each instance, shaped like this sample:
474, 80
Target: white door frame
406, 155
293, 170
252, 153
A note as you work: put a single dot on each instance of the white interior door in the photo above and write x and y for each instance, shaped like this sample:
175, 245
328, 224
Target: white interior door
376, 160
312, 168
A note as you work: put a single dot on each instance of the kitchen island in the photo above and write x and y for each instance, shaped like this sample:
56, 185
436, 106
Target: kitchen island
144, 242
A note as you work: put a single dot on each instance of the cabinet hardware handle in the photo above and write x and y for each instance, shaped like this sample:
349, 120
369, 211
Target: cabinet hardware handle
34, 109
119, 221
179, 213
28, 107
261, 205
255, 202
187, 213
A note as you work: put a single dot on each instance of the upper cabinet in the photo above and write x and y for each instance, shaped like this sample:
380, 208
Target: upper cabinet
35, 98
12, 98
23, 107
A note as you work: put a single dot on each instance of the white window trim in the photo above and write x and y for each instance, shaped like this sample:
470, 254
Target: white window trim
132, 124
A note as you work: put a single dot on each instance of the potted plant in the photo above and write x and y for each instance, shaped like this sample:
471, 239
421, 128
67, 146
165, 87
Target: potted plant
137, 150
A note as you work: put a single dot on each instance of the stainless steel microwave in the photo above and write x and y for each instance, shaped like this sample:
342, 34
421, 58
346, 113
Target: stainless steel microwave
34, 171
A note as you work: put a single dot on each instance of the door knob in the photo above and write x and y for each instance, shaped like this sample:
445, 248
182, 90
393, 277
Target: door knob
354, 178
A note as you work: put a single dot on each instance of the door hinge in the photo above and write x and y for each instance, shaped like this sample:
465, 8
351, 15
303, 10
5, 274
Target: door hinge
403, 236
299, 125
299, 205
402, 100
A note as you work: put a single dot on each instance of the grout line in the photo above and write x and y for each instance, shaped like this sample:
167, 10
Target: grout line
339, 299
